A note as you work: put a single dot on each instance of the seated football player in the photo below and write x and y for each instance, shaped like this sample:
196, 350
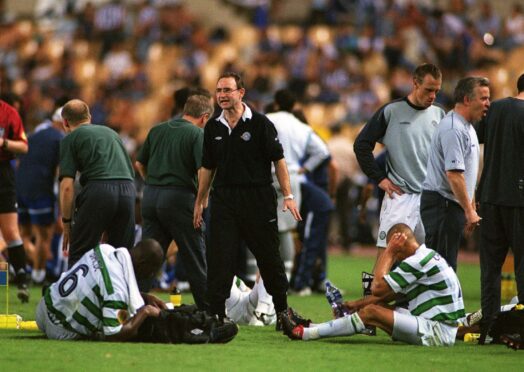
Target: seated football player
98, 298
423, 278
250, 306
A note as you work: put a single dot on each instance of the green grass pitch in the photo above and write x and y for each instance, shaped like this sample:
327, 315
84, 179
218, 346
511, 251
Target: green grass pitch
262, 349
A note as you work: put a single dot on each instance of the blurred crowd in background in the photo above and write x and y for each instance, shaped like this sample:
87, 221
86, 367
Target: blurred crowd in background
343, 60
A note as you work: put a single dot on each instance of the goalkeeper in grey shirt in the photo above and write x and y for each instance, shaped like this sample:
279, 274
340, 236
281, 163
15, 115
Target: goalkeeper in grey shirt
405, 127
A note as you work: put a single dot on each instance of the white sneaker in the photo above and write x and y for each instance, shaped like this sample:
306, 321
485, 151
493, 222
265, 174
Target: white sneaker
304, 292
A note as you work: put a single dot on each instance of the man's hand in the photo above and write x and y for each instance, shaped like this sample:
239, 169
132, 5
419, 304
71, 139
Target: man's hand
152, 311
390, 188
154, 301
289, 204
65, 240
472, 221
352, 306
395, 243
197, 215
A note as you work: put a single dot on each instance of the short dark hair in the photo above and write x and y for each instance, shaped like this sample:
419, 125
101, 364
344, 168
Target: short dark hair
181, 95
147, 257
234, 75
76, 111
285, 100
426, 69
198, 105
520, 84
466, 87
400, 228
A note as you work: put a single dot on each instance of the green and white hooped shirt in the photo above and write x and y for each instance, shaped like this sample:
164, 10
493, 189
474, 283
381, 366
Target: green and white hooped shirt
430, 286
93, 296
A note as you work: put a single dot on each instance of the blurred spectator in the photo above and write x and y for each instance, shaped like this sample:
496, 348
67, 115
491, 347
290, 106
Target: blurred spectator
109, 24
35, 180
514, 27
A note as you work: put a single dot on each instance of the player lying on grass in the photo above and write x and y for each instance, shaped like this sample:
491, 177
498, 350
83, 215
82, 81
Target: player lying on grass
98, 298
423, 278
250, 306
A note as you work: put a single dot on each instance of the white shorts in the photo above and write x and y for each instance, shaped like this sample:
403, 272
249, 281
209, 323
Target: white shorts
416, 330
403, 208
243, 304
53, 330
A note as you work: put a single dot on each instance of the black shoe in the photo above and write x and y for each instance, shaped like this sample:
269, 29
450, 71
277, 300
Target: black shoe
278, 325
23, 293
287, 324
299, 320
21, 280
224, 331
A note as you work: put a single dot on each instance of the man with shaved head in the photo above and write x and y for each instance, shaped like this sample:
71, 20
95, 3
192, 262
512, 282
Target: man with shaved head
423, 278
106, 203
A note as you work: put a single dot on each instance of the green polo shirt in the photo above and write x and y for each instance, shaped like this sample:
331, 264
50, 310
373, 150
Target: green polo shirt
172, 154
97, 152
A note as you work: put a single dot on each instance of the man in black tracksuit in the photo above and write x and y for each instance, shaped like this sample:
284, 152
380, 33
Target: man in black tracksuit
239, 147
501, 196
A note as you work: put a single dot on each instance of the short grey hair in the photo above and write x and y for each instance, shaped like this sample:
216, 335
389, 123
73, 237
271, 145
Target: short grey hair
198, 105
466, 87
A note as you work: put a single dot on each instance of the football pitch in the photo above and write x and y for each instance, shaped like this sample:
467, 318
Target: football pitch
261, 348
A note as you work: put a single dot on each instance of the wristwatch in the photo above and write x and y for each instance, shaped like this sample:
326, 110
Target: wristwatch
66, 220
289, 197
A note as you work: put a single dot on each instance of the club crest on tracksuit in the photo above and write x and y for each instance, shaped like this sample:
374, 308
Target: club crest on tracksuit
246, 136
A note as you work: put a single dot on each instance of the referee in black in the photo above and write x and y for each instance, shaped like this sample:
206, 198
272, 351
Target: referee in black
239, 147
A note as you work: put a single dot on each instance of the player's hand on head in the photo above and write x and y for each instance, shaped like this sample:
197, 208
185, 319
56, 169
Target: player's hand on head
396, 242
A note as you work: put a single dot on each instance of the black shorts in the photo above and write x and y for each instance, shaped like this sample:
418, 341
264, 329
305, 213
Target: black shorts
7, 188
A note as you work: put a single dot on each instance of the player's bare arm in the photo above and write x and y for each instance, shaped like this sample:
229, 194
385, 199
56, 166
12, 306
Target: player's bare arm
66, 208
130, 328
14, 146
457, 183
153, 301
205, 178
141, 168
379, 286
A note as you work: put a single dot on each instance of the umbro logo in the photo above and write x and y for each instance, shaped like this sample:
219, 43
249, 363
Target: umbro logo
218, 138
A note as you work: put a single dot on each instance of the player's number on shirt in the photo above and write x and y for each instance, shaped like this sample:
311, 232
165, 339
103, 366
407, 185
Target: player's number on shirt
69, 283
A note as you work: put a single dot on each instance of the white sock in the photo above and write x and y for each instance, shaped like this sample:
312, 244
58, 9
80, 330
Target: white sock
38, 275
345, 326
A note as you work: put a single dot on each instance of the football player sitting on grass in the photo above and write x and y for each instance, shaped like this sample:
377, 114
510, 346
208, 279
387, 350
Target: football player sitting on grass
422, 278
